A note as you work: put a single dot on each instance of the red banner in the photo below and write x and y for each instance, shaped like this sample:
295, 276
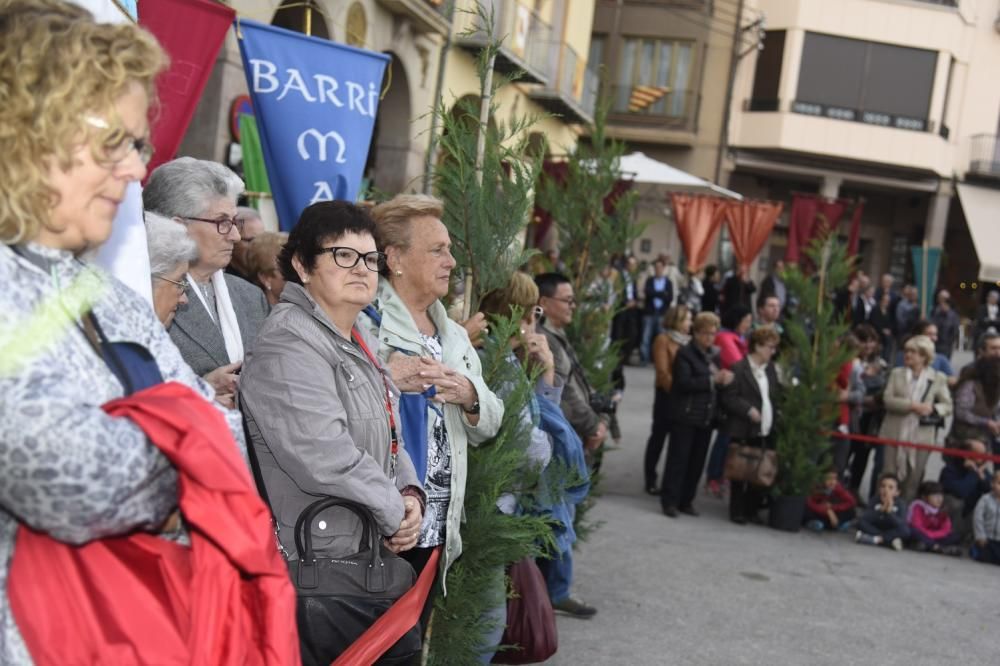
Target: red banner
750, 224
854, 238
191, 32
698, 219
812, 217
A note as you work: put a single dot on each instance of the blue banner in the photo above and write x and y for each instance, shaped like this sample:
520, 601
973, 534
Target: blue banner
315, 103
926, 290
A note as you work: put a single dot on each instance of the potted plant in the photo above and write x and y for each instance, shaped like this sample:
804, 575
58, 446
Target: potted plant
810, 361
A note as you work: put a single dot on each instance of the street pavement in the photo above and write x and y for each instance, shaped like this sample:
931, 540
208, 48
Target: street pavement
706, 591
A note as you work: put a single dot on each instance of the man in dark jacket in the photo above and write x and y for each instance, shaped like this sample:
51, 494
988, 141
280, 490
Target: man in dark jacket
659, 294
947, 322
696, 375
738, 289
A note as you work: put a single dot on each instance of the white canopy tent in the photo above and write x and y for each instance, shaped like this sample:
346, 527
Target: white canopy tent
645, 170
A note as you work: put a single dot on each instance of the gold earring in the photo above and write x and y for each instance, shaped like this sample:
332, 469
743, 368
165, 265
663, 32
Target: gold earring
399, 273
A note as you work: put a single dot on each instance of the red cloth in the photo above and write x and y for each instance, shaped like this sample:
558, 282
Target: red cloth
732, 348
844, 382
191, 32
811, 217
854, 238
698, 219
140, 599
750, 224
935, 525
839, 499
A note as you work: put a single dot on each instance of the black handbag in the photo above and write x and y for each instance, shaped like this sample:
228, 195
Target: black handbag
340, 597
933, 419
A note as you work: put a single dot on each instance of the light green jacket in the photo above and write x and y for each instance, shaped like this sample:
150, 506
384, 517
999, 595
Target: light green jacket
398, 331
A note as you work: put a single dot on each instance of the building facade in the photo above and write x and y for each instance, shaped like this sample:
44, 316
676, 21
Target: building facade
894, 102
665, 67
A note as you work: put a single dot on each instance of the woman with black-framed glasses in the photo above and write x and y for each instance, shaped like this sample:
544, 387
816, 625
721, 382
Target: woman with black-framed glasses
219, 323
320, 409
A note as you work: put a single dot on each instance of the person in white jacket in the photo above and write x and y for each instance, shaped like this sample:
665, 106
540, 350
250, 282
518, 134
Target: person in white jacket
986, 525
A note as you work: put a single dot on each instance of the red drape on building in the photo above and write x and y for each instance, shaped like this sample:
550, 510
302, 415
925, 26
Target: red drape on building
698, 219
854, 238
191, 32
750, 224
812, 217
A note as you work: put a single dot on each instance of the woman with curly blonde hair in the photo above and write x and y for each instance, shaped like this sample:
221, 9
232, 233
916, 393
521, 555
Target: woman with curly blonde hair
74, 133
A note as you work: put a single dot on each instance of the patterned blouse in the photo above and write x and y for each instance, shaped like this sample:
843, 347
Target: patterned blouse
69, 469
437, 485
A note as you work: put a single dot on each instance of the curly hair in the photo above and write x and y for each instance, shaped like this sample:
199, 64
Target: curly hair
57, 66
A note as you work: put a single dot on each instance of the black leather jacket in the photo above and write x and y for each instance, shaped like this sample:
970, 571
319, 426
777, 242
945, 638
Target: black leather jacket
692, 395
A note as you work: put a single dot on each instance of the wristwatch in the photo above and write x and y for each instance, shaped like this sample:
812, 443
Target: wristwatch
473, 410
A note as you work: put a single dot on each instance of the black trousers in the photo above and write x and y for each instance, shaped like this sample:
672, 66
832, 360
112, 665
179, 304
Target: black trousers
657, 436
685, 461
745, 499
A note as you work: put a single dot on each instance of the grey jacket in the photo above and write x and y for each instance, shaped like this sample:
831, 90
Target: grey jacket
576, 392
399, 332
316, 412
198, 337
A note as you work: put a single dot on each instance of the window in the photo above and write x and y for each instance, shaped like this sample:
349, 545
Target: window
653, 77
595, 57
767, 74
867, 82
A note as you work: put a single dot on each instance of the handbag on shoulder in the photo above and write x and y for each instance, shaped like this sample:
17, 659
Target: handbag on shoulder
933, 419
752, 464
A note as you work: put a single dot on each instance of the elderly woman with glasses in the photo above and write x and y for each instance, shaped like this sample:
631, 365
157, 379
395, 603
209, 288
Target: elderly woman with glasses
914, 394
74, 105
320, 409
423, 347
218, 325
171, 252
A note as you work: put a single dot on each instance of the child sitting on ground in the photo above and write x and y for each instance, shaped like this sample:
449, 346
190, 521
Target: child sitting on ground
831, 507
986, 524
884, 523
930, 525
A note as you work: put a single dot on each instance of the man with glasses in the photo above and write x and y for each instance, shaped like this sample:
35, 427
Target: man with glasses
218, 325
253, 226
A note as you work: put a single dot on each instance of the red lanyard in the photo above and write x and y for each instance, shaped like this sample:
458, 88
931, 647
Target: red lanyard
388, 399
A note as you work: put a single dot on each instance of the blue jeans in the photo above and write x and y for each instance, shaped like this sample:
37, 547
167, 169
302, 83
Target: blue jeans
717, 459
497, 618
650, 329
558, 574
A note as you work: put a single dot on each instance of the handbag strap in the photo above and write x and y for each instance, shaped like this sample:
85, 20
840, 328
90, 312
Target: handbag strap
258, 478
303, 527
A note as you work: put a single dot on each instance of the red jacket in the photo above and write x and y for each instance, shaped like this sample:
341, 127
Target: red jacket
838, 500
226, 600
732, 348
936, 524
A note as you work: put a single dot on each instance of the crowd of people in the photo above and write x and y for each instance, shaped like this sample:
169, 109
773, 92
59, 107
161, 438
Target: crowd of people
329, 359
717, 386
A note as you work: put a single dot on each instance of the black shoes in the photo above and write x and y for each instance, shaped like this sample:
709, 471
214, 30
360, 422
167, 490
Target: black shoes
670, 511
689, 510
575, 608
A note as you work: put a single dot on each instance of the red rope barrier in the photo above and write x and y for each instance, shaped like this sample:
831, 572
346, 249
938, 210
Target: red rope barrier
881, 441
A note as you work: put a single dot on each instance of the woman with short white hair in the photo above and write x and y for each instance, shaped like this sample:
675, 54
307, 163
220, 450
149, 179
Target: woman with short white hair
171, 252
914, 397
218, 325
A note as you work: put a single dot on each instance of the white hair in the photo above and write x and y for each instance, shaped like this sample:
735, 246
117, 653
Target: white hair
185, 187
169, 244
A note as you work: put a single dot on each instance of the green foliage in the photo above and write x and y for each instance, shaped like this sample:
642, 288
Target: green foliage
808, 405
487, 208
491, 540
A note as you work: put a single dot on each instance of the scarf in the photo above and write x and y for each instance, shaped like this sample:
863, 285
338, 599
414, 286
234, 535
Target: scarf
227, 315
679, 337
910, 425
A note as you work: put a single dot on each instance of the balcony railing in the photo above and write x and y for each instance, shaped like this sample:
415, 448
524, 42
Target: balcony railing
572, 88
426, 15
659, 105
985, 156
525, 37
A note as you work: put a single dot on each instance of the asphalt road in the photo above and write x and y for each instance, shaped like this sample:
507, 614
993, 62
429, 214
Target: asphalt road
705, 591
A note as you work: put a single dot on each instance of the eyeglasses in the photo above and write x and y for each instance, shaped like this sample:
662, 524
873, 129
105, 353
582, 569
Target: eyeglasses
121, 143
348, 257
182, 286
910, 350
222, 224
571, 301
